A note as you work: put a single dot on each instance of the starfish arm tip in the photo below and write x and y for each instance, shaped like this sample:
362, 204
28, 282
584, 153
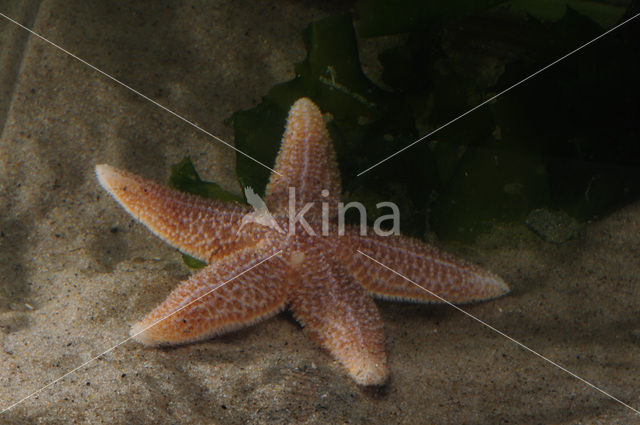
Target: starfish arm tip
503, 286
495, 286
104, 172
139, 333
370, 372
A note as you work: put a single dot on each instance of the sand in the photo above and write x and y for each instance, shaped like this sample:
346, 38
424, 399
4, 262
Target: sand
76, 271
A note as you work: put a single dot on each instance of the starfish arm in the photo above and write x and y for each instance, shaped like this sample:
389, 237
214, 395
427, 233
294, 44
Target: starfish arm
306, 162
195, 225
226, 295
341, 317
451, 278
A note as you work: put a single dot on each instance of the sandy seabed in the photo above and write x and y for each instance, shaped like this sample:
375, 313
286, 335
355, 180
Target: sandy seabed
76, 271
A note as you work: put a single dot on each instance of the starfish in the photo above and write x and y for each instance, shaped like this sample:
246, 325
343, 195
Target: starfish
322, 278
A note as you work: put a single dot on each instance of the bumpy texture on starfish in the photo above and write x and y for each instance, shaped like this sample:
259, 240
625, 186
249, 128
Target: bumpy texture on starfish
323, 279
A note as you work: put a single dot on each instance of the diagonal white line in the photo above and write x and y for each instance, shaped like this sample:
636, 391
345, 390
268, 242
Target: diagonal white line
501, 93
133, 336
501, 333
192, 124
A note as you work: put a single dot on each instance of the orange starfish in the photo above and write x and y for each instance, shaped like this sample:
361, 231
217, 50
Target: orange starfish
321, 278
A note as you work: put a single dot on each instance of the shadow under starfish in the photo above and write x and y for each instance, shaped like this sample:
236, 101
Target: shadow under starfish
320, 276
